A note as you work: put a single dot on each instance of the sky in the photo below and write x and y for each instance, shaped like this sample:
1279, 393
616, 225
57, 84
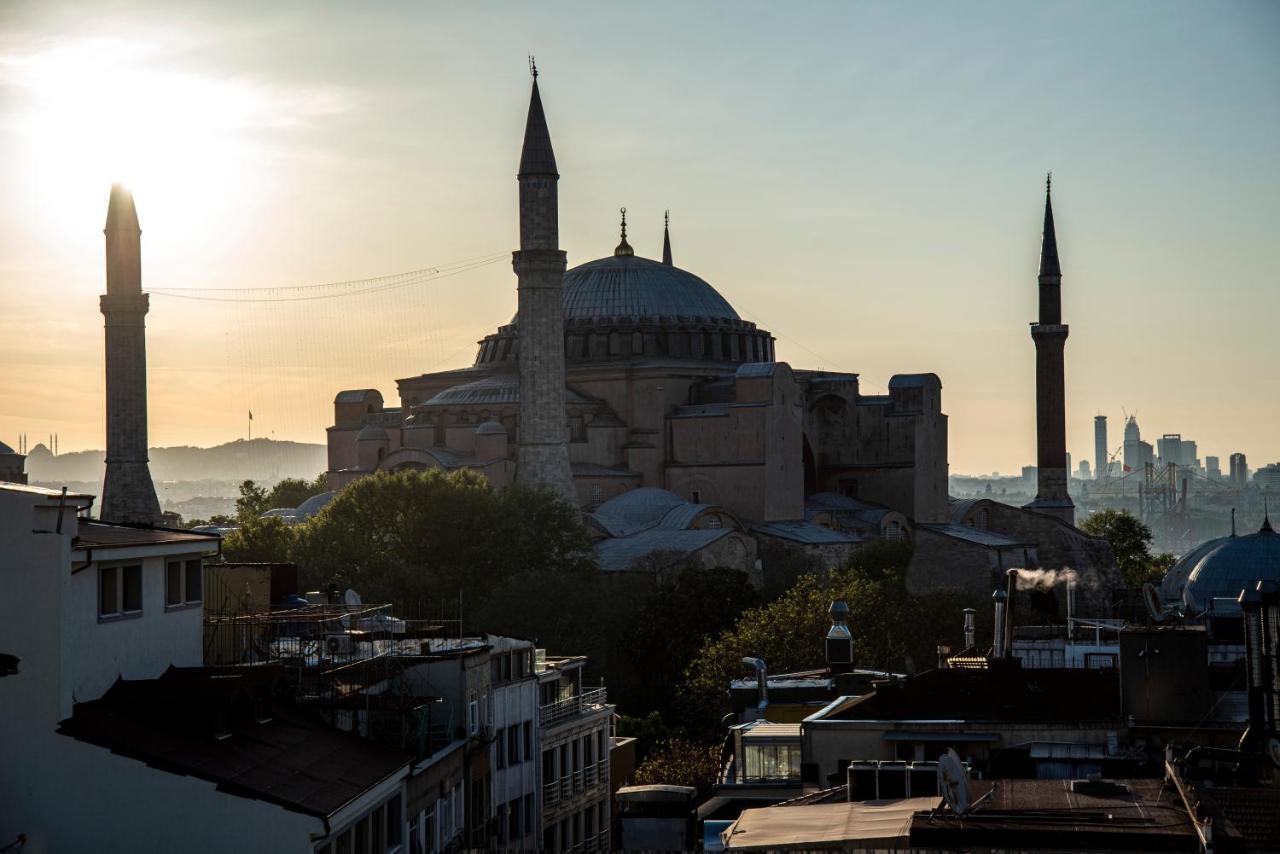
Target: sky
864, 180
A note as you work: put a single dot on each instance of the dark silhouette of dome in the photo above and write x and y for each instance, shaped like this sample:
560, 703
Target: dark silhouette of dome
1238, 563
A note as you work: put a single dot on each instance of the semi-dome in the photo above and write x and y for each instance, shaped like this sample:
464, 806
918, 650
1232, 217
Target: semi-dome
371, 433
634, 287
1236, 564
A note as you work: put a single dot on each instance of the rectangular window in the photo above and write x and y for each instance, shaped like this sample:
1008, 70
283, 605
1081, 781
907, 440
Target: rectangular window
173, 583
183, 581
108, 591
528, 814
394, 822
501, 749
194, 591
513, 816
119, 590
528, 739
473, 716
513, 745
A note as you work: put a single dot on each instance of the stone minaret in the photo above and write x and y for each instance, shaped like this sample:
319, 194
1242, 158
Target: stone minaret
543, 453
128, 494
1050, 337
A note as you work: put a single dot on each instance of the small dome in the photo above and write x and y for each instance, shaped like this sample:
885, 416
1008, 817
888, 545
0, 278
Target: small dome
491, 428
371, 433
1175, 580
631, 286
1236, 564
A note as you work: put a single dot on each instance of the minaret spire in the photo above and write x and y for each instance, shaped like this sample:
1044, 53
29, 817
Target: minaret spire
666, 238
542, 456
1050, 337
128, 494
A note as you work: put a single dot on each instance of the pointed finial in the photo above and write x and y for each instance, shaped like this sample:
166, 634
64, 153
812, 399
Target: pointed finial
533, 68
666, 238
624, 248
1048, 178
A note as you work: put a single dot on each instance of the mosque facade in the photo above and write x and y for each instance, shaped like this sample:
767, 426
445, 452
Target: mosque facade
666, 387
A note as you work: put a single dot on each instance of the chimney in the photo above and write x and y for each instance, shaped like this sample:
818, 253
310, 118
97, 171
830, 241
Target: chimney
969, 631
762, 683
1012, 593
839, 639
1255, 669
997, 638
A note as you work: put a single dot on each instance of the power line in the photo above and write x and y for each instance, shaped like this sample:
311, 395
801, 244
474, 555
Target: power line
356, 287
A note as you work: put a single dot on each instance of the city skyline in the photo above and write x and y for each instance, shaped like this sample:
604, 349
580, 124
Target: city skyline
889, 253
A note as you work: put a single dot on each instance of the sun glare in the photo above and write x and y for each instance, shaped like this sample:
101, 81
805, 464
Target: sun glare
95, 113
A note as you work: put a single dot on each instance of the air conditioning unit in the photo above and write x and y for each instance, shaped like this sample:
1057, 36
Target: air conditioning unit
338, 645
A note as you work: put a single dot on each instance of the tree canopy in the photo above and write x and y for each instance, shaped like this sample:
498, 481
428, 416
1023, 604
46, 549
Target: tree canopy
1130, 541
420, 537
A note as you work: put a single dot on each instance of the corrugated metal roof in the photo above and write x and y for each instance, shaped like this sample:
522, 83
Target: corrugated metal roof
803, 532
972, 535
619, 553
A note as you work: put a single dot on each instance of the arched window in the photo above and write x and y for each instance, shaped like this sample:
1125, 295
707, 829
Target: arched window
984, 518
637, 343
713, 521
893, 531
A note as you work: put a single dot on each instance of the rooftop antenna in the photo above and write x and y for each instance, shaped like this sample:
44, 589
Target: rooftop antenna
533, 68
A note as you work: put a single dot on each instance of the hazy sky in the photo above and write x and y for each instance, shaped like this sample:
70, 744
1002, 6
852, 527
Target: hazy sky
865, 180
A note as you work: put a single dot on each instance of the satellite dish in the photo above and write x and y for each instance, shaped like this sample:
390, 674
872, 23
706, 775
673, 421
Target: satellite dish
953, 782
1155, 607
352, 599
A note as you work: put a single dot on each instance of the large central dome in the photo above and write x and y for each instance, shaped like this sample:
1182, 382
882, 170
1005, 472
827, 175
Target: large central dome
633, 287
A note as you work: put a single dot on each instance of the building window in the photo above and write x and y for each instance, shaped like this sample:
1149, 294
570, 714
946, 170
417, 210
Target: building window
502, 748
528, 814
713, 521
528, 739
515, 826
694, 497
183, 582
513, 745
893, 531
597, 494
119, 590
473, 716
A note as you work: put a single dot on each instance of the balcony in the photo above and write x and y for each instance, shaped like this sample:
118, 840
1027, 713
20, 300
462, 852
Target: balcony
570, 707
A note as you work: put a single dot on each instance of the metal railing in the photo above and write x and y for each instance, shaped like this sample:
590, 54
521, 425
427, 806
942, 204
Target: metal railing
551, 793
578, 704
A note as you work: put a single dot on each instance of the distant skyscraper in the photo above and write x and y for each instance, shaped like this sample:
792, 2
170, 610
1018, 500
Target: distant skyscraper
1085, 474
1132, 441
1239, 469
1268, 477
1169, 447
1100, 446
1190, 455
128, 495
1213, 467
1050, 337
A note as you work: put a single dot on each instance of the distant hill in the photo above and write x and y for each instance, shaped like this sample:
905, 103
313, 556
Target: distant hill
262, 460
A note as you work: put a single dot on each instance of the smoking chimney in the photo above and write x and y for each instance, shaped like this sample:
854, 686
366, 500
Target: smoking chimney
1012, 593
839, 639
969, 632
997, 638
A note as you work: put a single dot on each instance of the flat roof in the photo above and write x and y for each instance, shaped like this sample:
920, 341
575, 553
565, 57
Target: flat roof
808, 827
94, 535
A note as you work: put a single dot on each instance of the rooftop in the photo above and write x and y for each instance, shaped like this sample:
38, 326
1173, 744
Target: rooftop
104, 535
223, 725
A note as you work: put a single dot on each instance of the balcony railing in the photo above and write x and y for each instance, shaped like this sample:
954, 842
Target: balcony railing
578, 704
551, 793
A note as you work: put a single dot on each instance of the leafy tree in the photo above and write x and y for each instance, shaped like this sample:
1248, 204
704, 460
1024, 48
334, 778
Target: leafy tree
415, 538
1130, 542
172, 519
252, 502
648, 731
670, 627
892, 629
259, 540
292, 491
678, 762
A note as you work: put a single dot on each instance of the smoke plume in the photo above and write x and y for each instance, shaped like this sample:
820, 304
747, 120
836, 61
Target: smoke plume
1046, 579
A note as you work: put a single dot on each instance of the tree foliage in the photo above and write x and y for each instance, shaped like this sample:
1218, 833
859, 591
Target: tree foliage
255, 500
1130, 541
892, 629
259, 540
419, 537
679, 762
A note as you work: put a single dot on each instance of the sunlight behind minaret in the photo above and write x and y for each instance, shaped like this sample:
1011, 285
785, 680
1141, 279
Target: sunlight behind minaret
96, 114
